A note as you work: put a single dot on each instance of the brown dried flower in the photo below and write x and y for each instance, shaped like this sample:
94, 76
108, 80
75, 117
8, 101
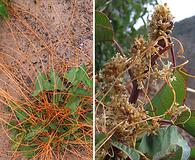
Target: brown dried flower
161, 23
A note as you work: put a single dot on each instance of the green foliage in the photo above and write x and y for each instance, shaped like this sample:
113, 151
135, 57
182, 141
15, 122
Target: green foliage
192, 156
33, 131
58, 98
103, 28
131, 153
163, 143
52, 82
42, 83
99, 139
73, 103
3, 10
163, 100
77, 75
189, 125
21, 115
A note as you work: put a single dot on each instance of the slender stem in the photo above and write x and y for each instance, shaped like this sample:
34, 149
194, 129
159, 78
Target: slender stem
118, 47
135, 91
166, 122
173, 56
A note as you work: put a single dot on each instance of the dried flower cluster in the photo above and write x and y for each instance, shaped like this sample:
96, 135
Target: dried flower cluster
161, 23
111, 73
149, 60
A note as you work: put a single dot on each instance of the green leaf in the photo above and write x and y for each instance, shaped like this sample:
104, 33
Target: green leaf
162, 101
17, 138
89, 116
41, 84
183, 117
44, 139
52, 83
103, 28
62, 130
165, 142
99, 139
28, 151
189, 126
80, 91
84, 77
192, 156
77, 75
3, 10
73, 103
11, 126
34, 131
174, 155
88, 138
71, 76
55, 81
53, 126
132, 153
57, 98
21, 115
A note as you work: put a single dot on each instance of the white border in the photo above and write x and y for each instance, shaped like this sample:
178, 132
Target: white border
93, 79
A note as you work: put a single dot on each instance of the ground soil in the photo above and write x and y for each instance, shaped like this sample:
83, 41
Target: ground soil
40, 34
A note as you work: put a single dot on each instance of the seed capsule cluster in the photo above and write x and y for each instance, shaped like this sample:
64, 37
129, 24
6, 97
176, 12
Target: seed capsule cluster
143, 52
137, 52
131, 115
117, 109
161, 23
111, 75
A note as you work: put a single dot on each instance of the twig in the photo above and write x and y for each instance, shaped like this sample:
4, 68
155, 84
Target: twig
118, 47
135, 91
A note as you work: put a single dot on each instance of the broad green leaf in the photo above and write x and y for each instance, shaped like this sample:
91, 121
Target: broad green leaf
131, 153
80, 91
162, 101
174, 155
3, 10
53, 126
28, 151
77, 75
18, 138
73, 103
57, 98
44, 139
189, 126
71, 75
89, 116
183, 117
84, 77
21, 115
62, 130
192, 156
164, 142
41, 84
55, 81
34, 131
11, 126
103, 28
52, 83
99, 139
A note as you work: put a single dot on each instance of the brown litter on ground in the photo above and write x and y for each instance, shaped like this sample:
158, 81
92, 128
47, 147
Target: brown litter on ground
37, 36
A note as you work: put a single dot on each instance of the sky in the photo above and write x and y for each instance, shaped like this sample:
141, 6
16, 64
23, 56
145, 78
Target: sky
180, 9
